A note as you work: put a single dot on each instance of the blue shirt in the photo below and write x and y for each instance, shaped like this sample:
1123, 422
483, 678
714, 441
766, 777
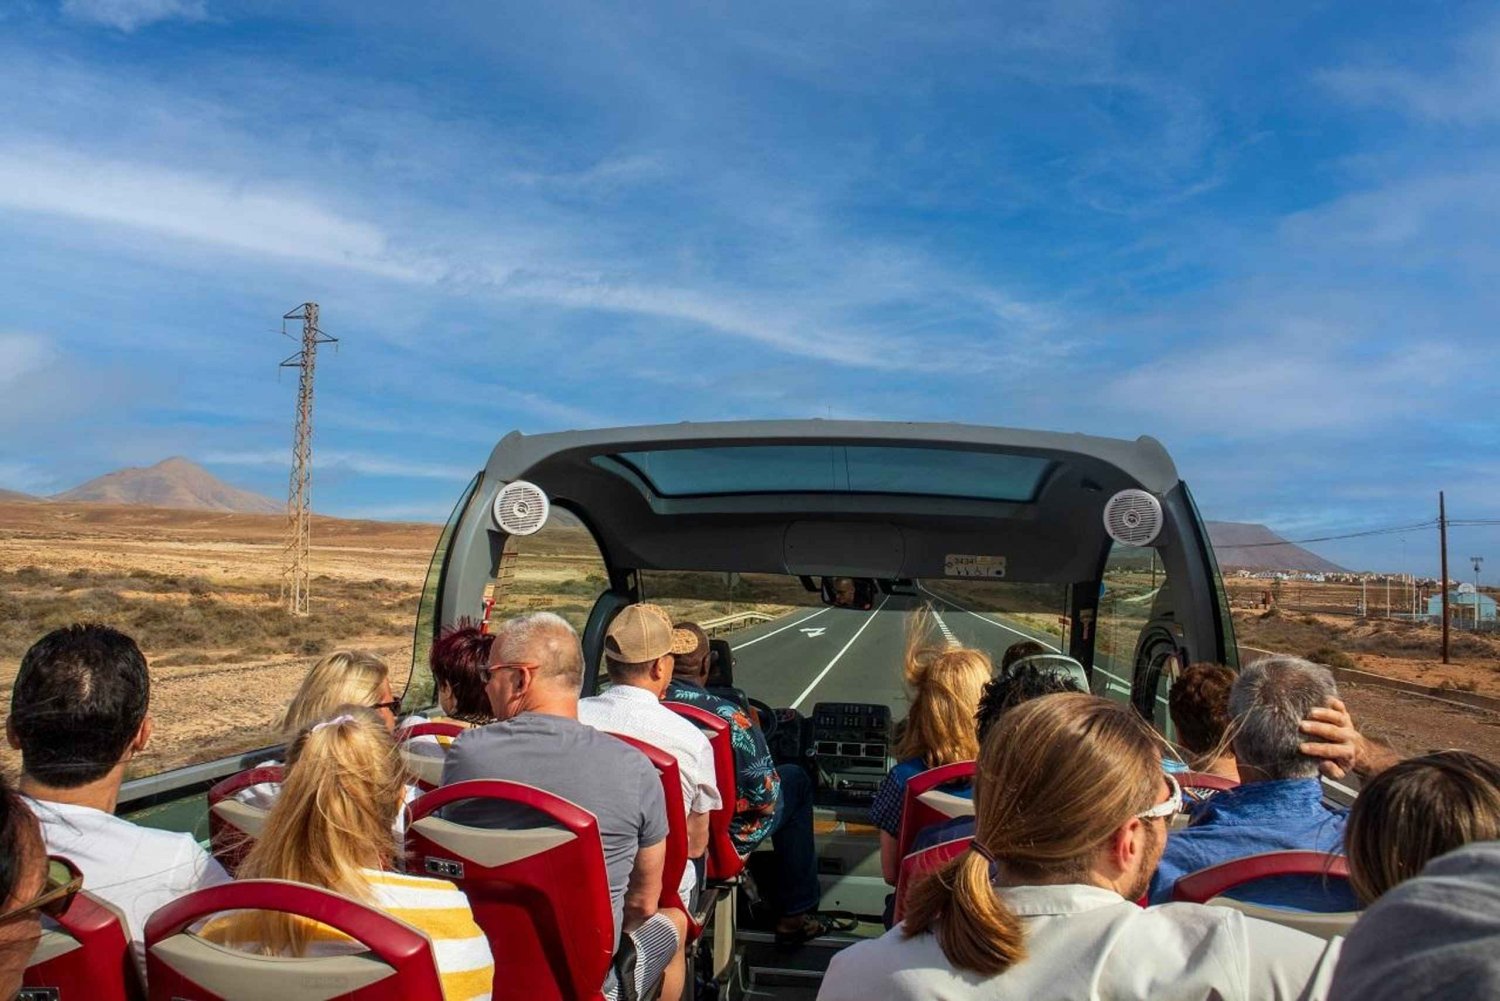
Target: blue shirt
1284, 815
885, 811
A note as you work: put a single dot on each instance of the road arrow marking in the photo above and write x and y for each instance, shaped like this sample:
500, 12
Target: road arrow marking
812, 632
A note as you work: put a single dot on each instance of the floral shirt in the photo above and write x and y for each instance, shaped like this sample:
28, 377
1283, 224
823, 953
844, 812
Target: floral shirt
757, 784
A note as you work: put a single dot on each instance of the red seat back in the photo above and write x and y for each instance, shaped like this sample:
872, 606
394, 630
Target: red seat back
1202, 886
233, 826
723, 859
181, 966
926, 802
538, 889
677, 843
424, 761
1201, 785
84, 955
919, 864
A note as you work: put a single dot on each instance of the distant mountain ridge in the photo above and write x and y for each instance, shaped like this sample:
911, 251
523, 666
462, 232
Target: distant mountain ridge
1241, 546
172, 483
15, 496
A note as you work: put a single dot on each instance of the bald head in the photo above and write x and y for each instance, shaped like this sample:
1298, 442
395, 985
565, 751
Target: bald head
543, 639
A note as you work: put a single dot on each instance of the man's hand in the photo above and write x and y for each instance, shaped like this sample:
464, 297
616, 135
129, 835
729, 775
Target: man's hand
1339, 747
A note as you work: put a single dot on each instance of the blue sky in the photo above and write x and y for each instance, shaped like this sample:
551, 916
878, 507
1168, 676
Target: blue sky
1263, 233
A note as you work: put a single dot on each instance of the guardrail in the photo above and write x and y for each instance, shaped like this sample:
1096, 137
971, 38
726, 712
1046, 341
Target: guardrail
729, 623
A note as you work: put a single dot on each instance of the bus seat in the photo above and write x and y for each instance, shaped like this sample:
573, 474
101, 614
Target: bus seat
723, 859
233, 826
424, 760
677, 840
919, 864
1199, 787
1212, 886
540, 893
928, 803
84, 955
397, 964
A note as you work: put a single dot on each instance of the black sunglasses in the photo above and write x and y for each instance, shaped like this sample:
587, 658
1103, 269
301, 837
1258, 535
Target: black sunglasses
394, 706
63, 884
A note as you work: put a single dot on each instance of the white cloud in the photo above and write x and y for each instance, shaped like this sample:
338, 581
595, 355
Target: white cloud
1465, 91
128, 15
211, 210
22, 355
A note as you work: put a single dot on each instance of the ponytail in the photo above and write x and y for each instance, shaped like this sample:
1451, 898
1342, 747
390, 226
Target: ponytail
975, 929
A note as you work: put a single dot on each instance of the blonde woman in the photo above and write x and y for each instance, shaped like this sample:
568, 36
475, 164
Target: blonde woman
940, 730
343, 678
332, 827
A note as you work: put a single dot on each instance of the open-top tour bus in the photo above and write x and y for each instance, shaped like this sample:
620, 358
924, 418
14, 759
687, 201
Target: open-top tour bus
802, 547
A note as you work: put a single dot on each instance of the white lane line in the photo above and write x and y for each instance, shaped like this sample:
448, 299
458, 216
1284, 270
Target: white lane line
997, 625
783, 629
836, 657
1000, 625
943, 628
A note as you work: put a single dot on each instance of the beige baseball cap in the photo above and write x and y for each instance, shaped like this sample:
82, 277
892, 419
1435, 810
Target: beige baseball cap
644, 632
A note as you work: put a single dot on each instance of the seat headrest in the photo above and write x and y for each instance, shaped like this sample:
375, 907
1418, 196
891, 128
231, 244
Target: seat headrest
720, 664
1057, 664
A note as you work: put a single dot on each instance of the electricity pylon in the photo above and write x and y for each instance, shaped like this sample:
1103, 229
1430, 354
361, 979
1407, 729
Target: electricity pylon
296, 579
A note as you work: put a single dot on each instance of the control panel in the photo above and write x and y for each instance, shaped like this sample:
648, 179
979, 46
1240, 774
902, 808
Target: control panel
852, 741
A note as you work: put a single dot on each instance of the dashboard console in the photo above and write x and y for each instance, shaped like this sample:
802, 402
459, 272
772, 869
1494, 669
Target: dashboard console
851, 741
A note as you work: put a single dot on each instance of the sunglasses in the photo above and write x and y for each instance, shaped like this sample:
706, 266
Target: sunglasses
63, 884
394, 706
520, 665
1167, 807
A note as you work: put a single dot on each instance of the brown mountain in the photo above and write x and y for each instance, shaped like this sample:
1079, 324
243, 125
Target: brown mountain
16, 497
175, 483
1240, 546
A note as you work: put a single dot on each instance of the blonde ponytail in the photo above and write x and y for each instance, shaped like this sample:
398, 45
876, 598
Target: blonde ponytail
974, 927
333, 817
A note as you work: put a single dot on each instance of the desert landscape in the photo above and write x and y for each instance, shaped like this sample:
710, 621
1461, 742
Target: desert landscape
199, 590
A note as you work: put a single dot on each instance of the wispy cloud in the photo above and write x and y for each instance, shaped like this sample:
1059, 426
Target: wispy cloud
128, 15
1464, 90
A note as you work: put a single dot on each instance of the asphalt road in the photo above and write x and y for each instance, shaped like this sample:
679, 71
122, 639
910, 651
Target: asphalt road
840, 655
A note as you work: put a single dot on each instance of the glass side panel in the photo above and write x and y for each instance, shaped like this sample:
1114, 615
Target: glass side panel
1221, 594
1134, 580
418, 693
751, 469
559, 569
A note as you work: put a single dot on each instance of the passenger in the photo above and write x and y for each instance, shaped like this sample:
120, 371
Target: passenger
771, 802
343, 678
1274, 705
1415, 811
535, 672
1199, 706
939, 731
1001, 695
638, 653
458, 660
332, 827
1020, 650
1435, 937
1072, 815
79, 713
25, 890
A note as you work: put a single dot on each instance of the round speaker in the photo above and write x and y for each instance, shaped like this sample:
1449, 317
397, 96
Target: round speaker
1133, 518
521, 508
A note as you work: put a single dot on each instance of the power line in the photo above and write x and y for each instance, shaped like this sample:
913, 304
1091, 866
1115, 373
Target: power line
1367, 533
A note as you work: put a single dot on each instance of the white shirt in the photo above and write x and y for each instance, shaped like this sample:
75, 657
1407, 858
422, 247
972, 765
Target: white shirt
1083, 942
137, 869
635, 712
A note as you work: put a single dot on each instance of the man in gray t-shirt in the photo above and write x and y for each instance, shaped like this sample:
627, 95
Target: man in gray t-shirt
532, 680
582, 765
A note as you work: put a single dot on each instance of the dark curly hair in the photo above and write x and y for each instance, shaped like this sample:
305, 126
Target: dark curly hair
1001, 694
1199, 706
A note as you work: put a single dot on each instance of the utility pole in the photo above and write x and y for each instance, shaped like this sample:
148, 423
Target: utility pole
1387, 595
1477, 561
296, 578
1443, 584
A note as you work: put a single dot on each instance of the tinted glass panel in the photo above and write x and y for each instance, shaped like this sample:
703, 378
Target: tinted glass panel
689, 472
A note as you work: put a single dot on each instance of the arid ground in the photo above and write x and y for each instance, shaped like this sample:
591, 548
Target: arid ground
200, 593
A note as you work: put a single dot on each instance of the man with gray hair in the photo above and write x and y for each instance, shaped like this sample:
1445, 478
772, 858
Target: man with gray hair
1275, 706
533, 680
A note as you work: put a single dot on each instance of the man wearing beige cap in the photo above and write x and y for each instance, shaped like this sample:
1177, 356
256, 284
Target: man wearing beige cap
638, 652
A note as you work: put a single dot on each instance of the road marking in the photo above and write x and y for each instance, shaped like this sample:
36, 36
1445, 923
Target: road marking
1000, 625
813, 632
836, 657
997, 625
789, 625
943, 628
